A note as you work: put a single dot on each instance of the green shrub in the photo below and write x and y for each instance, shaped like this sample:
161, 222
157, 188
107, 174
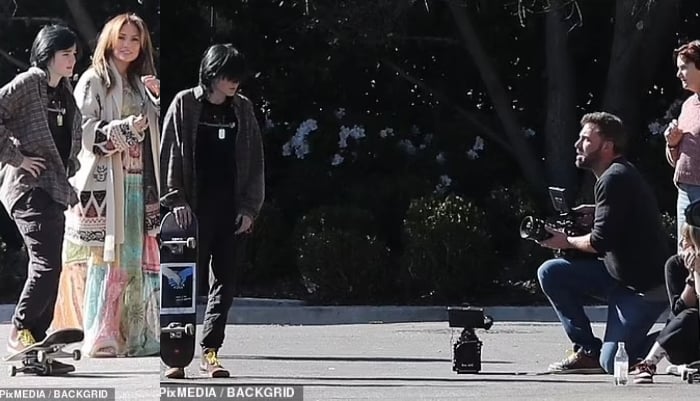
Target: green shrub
340, 259
447, 249
270, 249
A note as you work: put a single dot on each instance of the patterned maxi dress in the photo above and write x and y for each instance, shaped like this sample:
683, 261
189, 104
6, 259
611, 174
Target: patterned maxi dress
117, 304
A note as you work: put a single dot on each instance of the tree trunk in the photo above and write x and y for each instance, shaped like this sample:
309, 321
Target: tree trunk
83, 21
561, 128
522, 151
637, 43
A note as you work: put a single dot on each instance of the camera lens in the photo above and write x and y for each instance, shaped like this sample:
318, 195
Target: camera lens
533, 229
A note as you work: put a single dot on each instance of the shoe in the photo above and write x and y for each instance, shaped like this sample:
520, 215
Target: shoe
643, 373
577, 362
175, 373
60, 368
19, 340
211, 365
675, 370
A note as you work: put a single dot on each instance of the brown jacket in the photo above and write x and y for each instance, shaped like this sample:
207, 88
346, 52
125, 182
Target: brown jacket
24, 131
178, 146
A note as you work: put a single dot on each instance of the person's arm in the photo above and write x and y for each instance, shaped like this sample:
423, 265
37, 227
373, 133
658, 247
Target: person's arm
10, 101
673, 137
254, 192
612, 197
101, 137
672, 155
171, 153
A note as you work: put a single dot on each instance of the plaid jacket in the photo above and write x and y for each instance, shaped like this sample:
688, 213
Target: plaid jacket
24, 131
177, 155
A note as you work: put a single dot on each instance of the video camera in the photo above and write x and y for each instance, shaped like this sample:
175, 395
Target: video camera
466, 356
533, 228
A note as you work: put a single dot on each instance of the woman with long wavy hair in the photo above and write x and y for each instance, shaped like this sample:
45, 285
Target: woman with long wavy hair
110, 280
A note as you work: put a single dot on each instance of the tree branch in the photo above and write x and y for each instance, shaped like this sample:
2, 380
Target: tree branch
522, 150
13, 60
83, 22
470, 117
27, 20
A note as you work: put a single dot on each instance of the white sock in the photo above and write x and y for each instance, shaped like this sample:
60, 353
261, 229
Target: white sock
656, 354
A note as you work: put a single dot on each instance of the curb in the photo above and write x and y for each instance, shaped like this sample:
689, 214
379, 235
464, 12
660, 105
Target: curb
292, 312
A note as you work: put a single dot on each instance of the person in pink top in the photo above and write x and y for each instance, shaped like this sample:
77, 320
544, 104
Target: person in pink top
683, 135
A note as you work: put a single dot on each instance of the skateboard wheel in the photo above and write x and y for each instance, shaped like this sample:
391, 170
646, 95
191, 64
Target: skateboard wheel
12, 371
76, 355
191, 243
189, 329
41, 357
690, 379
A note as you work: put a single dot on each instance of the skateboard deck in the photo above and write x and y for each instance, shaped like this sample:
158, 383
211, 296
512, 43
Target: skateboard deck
178, 257
37, 358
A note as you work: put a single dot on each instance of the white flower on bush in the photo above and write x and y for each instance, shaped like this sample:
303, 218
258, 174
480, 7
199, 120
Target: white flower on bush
443, 185
656, 128
386, 132
355, 132
473, 153
407, 146
528, 132
339, 113
337, 160
428, 139
269, 124
299, 144
440, 158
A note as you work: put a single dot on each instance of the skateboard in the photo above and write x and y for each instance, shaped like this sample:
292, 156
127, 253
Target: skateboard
37, 358
178, 272
690, 373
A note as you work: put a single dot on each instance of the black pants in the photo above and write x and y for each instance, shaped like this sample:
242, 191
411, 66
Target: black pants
680, 338
41, 222
221, 251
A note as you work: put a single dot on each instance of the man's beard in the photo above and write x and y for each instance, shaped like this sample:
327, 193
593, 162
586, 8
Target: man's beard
588, 161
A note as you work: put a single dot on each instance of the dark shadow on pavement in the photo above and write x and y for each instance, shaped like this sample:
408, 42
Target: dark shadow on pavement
506, 377
346, 359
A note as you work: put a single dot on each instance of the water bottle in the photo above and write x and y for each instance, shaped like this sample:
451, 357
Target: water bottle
621, 365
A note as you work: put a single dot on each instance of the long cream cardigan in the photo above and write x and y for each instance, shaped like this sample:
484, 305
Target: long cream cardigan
104, 175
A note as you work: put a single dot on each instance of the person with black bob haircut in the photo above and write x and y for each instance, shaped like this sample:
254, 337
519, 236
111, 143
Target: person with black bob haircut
212, 167
40, 135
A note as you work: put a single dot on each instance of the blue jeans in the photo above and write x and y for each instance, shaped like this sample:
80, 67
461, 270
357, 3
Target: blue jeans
567, 283
686, 195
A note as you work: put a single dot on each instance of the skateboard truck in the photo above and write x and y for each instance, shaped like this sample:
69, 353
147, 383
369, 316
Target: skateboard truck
176, 329
177, 245
466, 357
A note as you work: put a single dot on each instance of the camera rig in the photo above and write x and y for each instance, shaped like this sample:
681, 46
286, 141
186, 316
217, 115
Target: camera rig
466, 356
567, 220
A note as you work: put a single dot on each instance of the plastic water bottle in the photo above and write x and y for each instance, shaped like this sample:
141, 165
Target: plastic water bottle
622, 365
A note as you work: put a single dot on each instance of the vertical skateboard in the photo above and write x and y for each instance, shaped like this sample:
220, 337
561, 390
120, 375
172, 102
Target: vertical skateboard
178, 257
37, 358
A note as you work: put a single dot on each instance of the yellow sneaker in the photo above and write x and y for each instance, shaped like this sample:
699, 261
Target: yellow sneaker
19, 340
210, 364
